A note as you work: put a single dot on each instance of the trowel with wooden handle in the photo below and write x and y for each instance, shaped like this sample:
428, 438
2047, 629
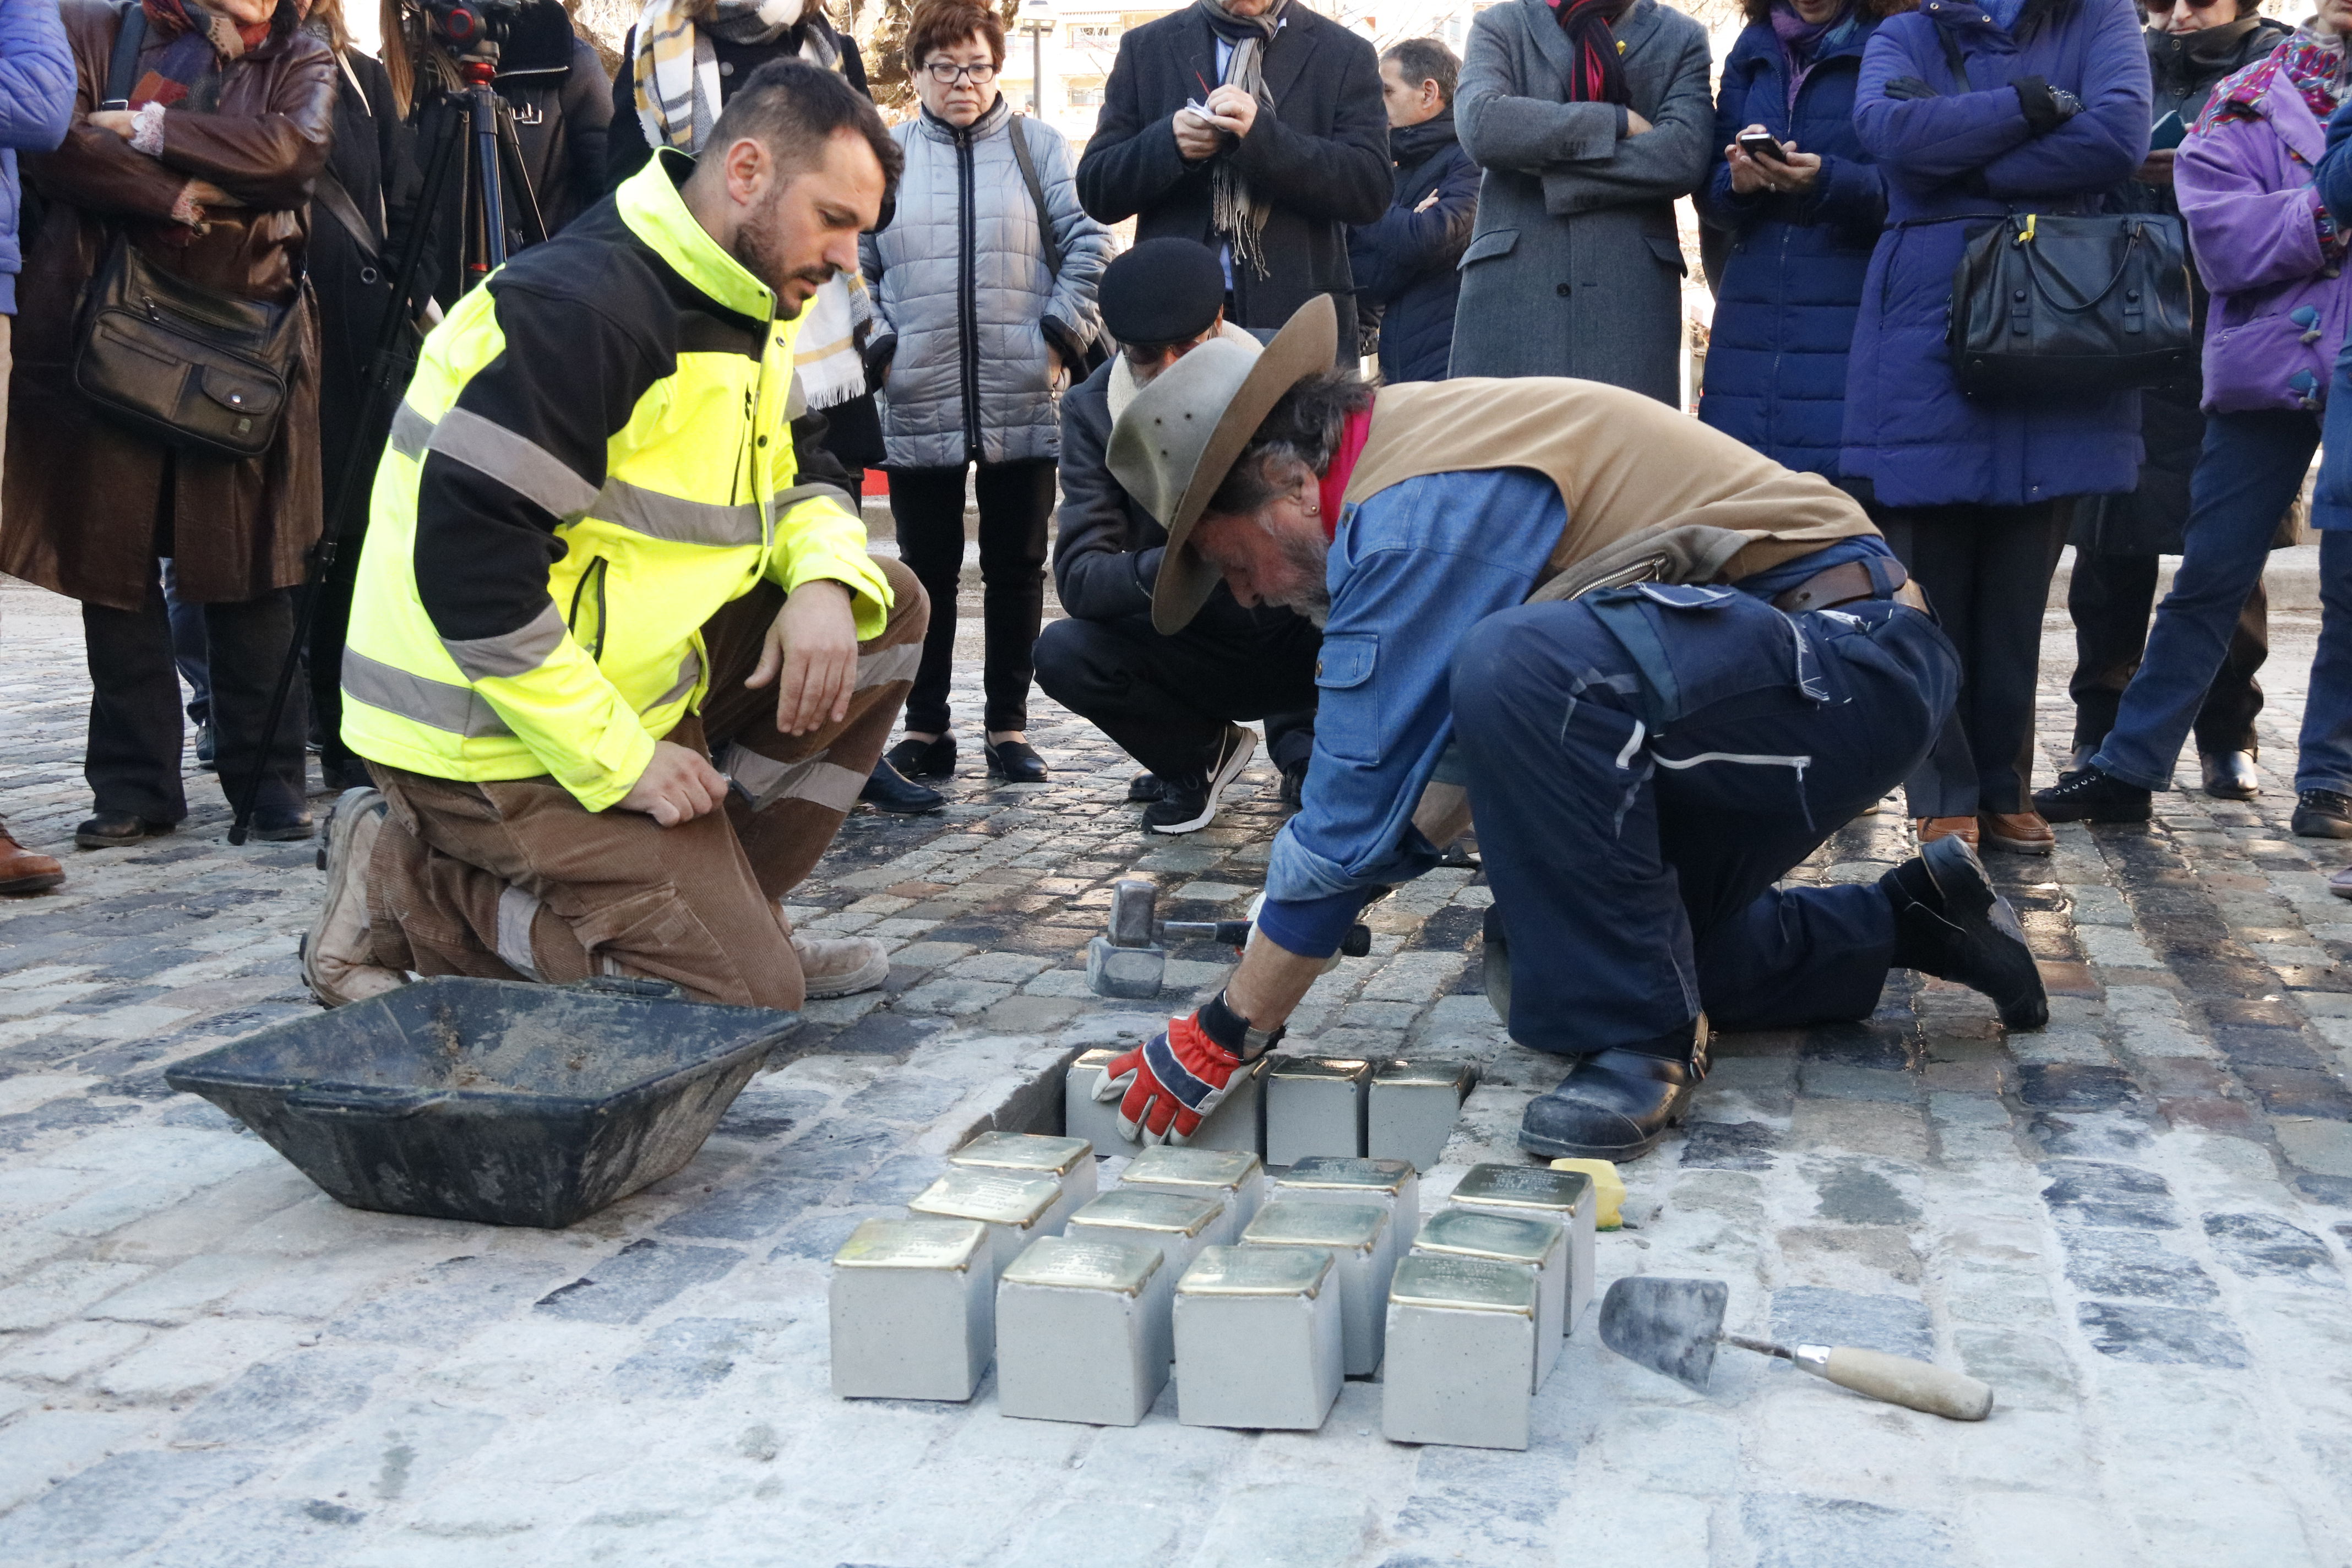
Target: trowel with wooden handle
1672, 1326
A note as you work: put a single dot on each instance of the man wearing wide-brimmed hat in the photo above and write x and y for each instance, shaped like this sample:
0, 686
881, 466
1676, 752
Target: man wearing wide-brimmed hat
1663, 668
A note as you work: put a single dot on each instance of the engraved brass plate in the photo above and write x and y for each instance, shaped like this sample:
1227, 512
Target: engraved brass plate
1458, 1076
1341, 1171
946, 1244
1463, 1284
1022, 1151
1141, 1208
1339, 1068
1468, 1233
1352, 1226
1525, 1186
1256, 1271
1161, 1166
997, 1196
1080, 1263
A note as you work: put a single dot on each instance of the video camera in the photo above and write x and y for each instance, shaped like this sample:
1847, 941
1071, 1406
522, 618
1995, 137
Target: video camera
470, 30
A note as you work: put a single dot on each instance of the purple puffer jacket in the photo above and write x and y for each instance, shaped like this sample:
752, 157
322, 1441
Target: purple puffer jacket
2280, 306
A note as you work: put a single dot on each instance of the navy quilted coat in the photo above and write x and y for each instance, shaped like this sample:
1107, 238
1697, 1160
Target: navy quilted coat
1790, 289
1951, 160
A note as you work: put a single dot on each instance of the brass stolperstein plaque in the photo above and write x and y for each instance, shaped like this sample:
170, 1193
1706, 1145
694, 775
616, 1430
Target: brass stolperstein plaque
1465, 1284
1081, 1264
1022, 1151
1344, 1171
1131, 1208
1161, 1166
1453, 1075
1469, 1234
912, 1244
1000, 1199
1317, 1224
1256, 1271
1319, 1067
1524, 1185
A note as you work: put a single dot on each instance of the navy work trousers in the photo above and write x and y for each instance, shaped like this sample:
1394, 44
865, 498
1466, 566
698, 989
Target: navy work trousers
1634, 813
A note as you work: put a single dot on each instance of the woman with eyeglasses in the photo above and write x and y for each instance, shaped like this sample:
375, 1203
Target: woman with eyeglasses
985, 305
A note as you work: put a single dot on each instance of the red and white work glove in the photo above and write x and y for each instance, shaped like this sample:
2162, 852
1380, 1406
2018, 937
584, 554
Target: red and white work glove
1167, 1086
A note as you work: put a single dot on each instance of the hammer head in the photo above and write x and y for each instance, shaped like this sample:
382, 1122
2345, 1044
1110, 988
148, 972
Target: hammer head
1134, 973
1133, 905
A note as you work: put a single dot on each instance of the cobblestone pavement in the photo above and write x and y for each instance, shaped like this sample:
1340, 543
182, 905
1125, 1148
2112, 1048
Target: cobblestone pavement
2133, 1225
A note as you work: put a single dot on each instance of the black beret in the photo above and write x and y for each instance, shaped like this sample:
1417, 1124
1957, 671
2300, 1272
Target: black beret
1162, 291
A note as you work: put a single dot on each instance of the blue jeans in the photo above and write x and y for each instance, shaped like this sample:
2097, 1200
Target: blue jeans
1634, 858
189, 650
2246, 478
2326, 740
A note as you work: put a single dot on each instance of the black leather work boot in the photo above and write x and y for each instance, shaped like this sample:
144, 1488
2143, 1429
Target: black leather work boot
1950, 923
1616, 1104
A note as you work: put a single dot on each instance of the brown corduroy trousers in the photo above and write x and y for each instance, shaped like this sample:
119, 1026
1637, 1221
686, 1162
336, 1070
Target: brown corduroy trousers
515, 880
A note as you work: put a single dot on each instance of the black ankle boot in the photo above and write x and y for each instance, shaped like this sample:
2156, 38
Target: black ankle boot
1617, 1104
1950, 924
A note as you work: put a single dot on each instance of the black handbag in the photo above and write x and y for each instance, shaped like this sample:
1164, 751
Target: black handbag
2047, 308
175, 362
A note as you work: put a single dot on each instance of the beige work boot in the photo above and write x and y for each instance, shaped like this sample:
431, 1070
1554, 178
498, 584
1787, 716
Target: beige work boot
338, 955
840, 966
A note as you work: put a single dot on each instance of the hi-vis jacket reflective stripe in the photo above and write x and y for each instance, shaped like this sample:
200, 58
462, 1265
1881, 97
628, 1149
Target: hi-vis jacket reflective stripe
595, 455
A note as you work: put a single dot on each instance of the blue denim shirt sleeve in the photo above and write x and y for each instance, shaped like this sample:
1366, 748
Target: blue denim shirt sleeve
1412, 569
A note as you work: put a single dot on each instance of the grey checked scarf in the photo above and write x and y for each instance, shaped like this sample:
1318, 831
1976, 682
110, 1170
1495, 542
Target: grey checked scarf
1232, 210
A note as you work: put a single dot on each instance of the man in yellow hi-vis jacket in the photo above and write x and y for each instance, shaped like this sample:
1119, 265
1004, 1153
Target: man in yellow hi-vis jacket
618, 668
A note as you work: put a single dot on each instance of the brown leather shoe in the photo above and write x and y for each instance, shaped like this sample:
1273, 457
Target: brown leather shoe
22, 871
1930, 828
2018, 832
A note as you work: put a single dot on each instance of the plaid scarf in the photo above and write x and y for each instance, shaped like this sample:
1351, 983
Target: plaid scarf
1233, 212
1599, 73
187, 73
678, 92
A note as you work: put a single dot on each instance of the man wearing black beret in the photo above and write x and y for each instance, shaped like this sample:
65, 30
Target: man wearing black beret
1170, 702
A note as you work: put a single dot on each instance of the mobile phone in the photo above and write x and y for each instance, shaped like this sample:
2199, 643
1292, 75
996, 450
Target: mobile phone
2168, 132
1761, 144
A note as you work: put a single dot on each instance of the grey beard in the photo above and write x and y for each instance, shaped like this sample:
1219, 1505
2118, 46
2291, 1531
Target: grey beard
1318, 609
1312, 555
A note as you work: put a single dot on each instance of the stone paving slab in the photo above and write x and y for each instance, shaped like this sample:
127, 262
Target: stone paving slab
2135, 1225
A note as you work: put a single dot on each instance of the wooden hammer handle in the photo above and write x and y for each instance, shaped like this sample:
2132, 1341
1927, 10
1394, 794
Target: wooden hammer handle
1897, 1380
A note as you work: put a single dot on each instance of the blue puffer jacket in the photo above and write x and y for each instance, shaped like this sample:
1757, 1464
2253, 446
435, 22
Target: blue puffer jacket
1792, 283
37, 97
1405, 264
1961, 156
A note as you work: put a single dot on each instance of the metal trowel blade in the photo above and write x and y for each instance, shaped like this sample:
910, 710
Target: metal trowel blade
1668, 1325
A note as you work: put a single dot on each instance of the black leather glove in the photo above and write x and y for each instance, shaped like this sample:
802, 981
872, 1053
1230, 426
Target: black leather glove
1910, 87
2046, 108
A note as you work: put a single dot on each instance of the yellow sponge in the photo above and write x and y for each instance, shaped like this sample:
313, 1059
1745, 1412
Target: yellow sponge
1608, 1187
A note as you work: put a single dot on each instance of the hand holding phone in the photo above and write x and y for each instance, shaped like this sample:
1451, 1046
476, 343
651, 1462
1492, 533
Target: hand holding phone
1759, 144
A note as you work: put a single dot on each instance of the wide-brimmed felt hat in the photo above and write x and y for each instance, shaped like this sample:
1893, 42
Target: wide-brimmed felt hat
1178, 439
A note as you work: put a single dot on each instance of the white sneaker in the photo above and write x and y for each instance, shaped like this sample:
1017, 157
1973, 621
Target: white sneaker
840, 966
338, 957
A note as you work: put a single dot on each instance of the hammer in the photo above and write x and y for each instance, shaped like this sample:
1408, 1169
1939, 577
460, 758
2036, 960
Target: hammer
1131, 962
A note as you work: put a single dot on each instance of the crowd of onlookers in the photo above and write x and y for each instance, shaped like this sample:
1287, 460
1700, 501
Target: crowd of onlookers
1510, 212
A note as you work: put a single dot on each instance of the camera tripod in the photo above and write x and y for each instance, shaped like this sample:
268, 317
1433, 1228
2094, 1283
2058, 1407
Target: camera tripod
477, 148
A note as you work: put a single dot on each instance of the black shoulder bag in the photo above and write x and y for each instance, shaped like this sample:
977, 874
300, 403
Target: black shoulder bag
2046, 307
1047, 246
172, 361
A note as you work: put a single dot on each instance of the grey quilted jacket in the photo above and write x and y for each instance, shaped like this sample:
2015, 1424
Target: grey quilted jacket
966, 300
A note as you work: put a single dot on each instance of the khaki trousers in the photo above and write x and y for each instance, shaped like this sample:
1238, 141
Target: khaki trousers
516, 880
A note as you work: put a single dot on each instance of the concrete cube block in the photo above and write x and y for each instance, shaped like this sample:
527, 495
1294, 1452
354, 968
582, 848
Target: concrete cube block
1328, 1179
1314, 1105
1235, 1126
1078, 1337
1363, 1252
1177, 1225
1566, 1198
1461, 1336
913, 1307
1069, 1161
1016, 1209
1507, 1239
1235, 1176
1259, 1336
1412, 1107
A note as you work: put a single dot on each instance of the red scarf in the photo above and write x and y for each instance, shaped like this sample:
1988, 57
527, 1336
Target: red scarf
198, 43
1352, 436
1599, 73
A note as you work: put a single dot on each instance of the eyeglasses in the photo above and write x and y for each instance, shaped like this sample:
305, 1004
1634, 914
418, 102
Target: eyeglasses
947, 74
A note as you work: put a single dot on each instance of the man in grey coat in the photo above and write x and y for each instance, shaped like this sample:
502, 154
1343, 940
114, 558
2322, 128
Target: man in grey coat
1575, 268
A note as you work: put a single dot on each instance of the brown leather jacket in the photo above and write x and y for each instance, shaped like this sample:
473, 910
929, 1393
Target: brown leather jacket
87, 506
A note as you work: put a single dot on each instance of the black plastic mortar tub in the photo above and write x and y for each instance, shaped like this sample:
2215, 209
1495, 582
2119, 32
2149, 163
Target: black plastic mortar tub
490, 1100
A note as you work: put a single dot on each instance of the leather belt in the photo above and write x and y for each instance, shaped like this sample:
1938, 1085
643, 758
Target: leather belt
1842, 585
